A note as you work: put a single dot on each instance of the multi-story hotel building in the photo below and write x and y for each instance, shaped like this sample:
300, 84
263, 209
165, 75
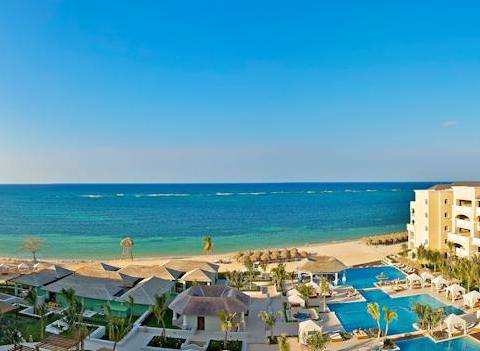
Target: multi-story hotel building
446, 213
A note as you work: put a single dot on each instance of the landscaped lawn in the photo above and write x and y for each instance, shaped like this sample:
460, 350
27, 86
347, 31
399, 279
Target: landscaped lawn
168, 343
217, 345
151, 321
26, 325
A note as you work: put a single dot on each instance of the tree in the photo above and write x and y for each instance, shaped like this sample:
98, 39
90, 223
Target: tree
159, 311
269, 319
263, 266
207, 244
12, 335
227, 323
422, 311
127, 247
250, 271
374, 310
236, 279
32, 298
317, 341
131, 305
324, 290
42, 311
279, 274
306, 291
120, 328
404, 250
33, 245
283, 344
389, 316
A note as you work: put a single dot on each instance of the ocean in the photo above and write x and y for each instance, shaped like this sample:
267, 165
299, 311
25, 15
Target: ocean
88, 220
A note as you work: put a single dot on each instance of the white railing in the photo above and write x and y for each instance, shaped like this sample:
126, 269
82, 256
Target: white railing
459, 239
465, 224
464, 210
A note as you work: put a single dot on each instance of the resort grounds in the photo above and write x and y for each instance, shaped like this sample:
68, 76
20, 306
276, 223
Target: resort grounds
344, 279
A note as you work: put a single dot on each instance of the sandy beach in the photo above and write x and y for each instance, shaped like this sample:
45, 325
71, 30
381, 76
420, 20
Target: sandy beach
351, 252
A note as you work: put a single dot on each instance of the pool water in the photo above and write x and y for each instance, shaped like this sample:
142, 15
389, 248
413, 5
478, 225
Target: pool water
425, 344
354, 315
362, 278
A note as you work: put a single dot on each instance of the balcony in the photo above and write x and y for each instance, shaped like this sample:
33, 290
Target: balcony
465, 224
476, 241
463, 210
459, 239
410, 228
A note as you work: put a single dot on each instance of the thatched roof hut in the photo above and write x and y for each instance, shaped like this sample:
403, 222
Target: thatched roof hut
322, 264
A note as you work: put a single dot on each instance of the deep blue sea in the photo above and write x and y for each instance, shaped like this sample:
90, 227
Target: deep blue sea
87, 221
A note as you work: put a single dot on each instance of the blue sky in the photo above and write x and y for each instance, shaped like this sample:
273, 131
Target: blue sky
212, 91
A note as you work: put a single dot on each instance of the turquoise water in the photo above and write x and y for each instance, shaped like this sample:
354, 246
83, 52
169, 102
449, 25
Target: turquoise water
354, 315
425, 344
89, 220
362, 278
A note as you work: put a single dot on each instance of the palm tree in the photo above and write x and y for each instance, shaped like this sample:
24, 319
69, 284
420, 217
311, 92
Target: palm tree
227, 323
278, 274
131, 305
434, 319
389, 316
32, 244
283, 344
236, 279
269, 319
250, 271
127, 247
13, 336
317, 341
32, 299
120, 328
207, 244
107, 311
263, 266
306, 291
42, 311
159, 311
324, 290
422, 311
73, 305
374, 310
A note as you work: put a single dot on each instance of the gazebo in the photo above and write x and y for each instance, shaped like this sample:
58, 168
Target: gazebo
426, 277
413, 279
453, 323
307, 328
439, 282
470, 299
322, 265
296, 300
454, 291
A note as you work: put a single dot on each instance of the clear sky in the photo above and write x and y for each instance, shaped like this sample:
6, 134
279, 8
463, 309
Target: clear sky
196, 91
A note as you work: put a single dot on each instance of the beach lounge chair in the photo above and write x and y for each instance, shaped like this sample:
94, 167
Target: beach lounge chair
335, 337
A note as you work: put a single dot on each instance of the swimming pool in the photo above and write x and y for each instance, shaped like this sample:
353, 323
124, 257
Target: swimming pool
354, 315
425, 344
362, 278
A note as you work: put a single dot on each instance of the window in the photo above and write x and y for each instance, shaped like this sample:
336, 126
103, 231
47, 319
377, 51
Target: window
426, 215
446, 201
445, 215
446, 228
426, 228
426, 202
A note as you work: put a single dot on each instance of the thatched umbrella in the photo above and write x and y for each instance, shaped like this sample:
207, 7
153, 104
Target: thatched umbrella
238, 255
274, 255
256, 256
304, 254
294, 252
265, 257
285, 254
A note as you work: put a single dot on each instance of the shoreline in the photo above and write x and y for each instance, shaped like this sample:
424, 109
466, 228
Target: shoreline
350, 251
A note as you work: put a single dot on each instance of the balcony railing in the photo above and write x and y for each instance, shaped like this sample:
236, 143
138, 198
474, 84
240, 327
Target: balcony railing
465, 224
459, 239
463, 210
